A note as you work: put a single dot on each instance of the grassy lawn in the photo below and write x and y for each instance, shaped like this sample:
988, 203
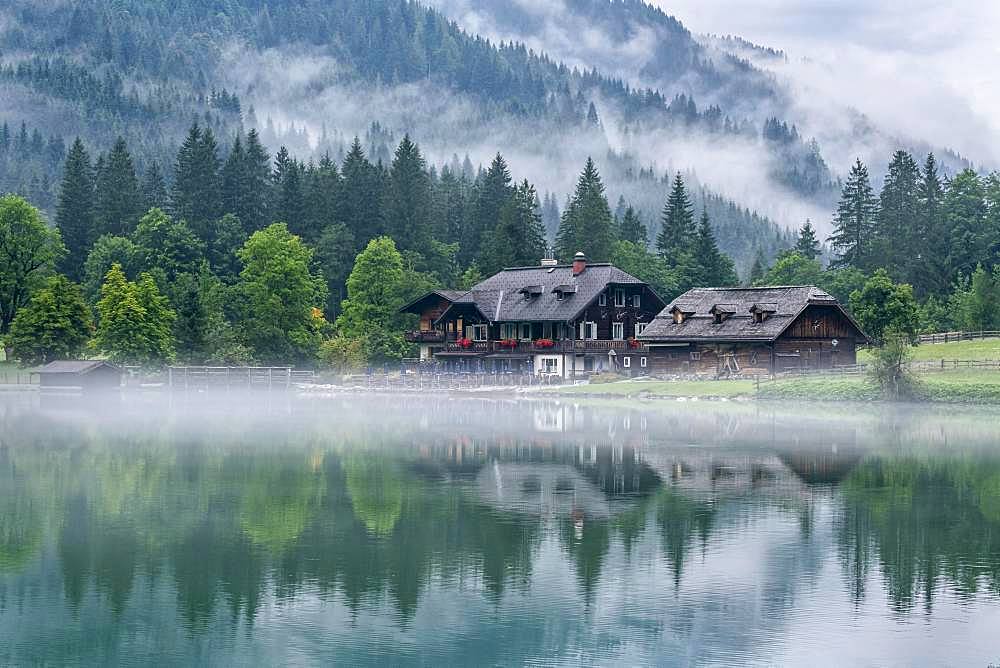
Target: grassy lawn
983, 349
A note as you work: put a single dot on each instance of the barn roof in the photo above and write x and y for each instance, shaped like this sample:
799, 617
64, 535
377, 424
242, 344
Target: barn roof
783, 303
522, 294
77, 367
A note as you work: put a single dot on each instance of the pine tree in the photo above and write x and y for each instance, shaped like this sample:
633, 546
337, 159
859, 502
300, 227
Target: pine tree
854, 223
965, 218
362, 196
677, 227
897, 219
322, 199
519, 238
757, 269
118, 203
407, 199
928, 271
75, 210
807, 245
586, 223
154, 189
631, 229
195, 197
493, 192
288, 205
714, 268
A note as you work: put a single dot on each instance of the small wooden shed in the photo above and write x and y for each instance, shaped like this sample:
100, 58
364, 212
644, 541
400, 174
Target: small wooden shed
79, 376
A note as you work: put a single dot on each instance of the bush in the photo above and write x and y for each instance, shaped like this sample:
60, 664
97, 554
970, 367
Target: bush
890, 367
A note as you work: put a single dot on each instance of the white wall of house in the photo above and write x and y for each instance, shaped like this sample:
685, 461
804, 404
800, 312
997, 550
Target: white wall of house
548, 364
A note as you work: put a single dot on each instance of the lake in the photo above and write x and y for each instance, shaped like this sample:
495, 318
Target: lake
271, 530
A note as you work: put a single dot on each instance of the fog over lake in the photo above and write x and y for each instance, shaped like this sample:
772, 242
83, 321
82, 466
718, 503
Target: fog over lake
277, 529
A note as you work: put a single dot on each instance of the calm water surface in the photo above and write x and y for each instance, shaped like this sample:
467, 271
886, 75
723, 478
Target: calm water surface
484, 532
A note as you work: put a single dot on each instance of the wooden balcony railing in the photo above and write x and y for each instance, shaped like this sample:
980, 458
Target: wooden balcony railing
534, 347
425, 336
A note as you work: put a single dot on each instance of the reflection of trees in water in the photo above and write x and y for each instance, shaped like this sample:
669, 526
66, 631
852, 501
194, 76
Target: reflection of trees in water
375, 486
927, 522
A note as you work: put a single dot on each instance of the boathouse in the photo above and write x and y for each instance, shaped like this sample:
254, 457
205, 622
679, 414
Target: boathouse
79, 376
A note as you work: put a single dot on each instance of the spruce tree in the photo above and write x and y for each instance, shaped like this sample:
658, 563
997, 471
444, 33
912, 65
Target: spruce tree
196, 194
757, 269
288, 205
897, 219
493, 192
677, 227
362, 196
75, 210
322, 199
807, 245
407, 199
928, 271
154, 189
854, 223
519, 238
586, 223
631, 229
118, 203
714, 268
965, 218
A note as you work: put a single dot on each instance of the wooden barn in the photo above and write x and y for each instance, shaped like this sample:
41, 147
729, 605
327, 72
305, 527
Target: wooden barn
730, 331
79, 376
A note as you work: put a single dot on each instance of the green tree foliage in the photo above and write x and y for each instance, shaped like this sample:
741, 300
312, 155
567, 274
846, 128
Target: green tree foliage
519, 238
246, 182
407, 199
55, 324
807, 245
890, 366
637, 260
167, 245
288, 191
227, 238
323, 192
375, 293
675, 242
195, 197
883, 307
75, 210
712, 267
361, 204
134, 321
154, 189
283, 294
106, 252
854, 222
492, 194
343, 354
897, 220
969, 237
630, 227
587, 224
118, 203
975, 303
792, 268
29, 249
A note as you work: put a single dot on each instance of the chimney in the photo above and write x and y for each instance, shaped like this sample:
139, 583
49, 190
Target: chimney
579, 263
549, 262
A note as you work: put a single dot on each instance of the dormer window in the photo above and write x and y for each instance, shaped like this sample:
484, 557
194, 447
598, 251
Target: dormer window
761, 312
563, 291
681, 312
722, 312
602, 300
532, 291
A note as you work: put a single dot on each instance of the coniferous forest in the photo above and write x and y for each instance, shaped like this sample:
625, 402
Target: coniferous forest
152, 218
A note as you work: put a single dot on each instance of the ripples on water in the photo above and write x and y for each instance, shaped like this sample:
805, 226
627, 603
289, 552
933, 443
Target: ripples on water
287, 531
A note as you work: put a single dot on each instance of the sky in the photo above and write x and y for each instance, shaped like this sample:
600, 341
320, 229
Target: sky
926, 67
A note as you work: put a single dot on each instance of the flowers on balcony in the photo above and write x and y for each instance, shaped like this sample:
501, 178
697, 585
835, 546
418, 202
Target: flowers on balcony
544, 343
464, 343
634, 343
508, 343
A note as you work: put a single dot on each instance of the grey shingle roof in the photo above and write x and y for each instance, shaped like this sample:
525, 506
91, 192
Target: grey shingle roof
786, 301
500, 298
72, 366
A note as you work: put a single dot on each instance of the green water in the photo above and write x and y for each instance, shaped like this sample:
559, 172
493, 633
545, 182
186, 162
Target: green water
280, 530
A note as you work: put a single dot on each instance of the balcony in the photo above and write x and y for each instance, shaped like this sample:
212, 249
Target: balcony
424, 336
600, 346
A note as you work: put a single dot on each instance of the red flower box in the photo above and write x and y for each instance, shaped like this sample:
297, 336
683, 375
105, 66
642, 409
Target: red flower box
508, 343
634, 343
544, 343
464, 343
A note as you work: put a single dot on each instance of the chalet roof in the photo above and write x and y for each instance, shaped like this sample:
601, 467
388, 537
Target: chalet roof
512, 295
784, 303
77, 367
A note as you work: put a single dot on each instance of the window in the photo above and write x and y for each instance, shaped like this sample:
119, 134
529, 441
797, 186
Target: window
619, 297
559, 331
508, 330
627, 362
602, 300
618, 331
551, 364
639, 326
588, 330
695, 355
642, 362
546, 330
636, 301
525, 331
479, 332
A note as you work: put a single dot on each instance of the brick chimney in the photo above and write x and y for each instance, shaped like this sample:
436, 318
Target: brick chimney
579, 263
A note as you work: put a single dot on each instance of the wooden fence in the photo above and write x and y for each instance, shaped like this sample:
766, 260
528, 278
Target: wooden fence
219, 377
949, 337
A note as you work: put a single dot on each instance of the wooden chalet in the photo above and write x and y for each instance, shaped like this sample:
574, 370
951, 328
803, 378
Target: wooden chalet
550, 319
727, 331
